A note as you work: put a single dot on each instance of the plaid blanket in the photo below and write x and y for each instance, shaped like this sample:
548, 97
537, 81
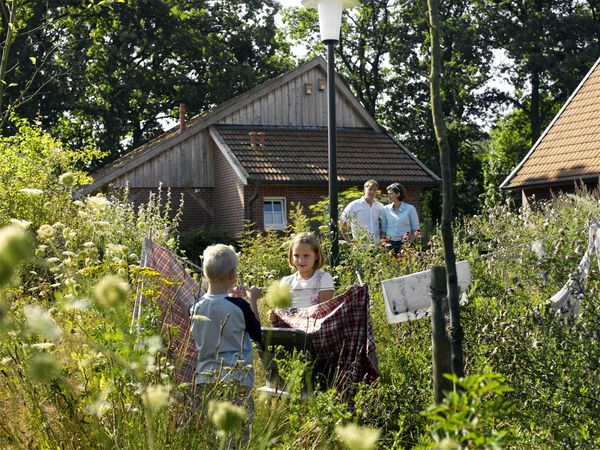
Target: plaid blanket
176, 298
341, 333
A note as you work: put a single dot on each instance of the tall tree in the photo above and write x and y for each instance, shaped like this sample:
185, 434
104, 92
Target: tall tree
127, 65
447, 169
383, 55
550, 45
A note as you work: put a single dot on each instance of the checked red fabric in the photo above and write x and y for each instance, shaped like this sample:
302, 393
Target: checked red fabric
341, 333
175, 302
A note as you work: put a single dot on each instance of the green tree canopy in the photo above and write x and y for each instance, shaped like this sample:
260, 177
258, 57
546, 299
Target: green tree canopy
119, 68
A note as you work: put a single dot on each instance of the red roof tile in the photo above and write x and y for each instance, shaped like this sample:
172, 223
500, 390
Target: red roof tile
299, 155
569, 149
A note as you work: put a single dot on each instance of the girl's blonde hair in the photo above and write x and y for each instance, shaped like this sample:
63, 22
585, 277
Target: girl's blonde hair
310, 239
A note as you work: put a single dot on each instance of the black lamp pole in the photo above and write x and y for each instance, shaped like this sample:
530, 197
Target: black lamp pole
331, 145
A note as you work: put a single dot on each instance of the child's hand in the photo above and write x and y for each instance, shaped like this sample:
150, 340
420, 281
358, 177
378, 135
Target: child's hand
271, 317
253, 293
237, 291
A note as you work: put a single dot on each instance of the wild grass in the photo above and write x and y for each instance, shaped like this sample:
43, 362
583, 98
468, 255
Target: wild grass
72, 375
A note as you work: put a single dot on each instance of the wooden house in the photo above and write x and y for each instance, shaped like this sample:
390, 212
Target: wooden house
255, 155
567, 154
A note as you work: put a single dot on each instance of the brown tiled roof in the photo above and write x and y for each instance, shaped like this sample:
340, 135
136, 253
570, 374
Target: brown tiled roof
299, 155
569, 149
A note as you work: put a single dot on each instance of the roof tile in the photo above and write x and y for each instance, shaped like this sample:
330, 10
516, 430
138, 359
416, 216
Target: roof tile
299, 154
570, 147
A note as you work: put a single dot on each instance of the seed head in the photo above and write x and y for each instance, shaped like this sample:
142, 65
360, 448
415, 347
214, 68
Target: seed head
16, 246
111, 291
66, 179
156, 397
279, 295
354, 437
40, 322
98, 202
226, 416
44, 367
46, 232
25, 224
448, 444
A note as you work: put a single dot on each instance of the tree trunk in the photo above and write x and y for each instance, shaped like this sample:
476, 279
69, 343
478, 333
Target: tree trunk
8, 9
536, 126
455, 330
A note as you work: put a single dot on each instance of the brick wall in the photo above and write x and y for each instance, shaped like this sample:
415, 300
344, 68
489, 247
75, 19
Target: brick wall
307, 195
197, 204
413, 196
304, 195
227, 200
546, 193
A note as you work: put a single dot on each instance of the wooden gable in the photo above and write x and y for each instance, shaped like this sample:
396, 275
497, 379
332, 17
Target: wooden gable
299, 101
185, 158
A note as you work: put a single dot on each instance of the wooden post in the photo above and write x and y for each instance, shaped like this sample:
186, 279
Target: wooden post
440, 344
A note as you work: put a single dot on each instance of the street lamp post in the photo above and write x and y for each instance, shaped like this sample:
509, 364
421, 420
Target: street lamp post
330, 21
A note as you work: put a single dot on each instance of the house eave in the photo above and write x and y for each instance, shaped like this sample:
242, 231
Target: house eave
545, 183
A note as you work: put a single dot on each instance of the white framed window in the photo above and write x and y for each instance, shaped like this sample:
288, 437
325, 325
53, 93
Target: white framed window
274, 213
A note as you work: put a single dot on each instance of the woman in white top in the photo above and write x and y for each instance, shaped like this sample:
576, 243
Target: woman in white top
310, 285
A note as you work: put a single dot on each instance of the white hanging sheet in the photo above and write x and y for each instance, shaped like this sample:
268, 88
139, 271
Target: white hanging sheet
566, 299
408, 298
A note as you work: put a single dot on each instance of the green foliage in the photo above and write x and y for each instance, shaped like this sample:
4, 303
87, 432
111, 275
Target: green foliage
30, 164
472, 416
509, 142
193, 242
118, 69
549, 47
87, 381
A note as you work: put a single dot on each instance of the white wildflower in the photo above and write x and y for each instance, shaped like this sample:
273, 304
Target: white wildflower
40, 321
101, 405
70, 282
98, 202
46, 232
115, 250
43, 345
355, 437
31, 191
538, 248
76, 305
25, 224
226, 416
70, 234
156, 397
153, 344
111, 291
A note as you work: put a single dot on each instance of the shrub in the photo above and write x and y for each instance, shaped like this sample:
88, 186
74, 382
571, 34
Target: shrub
193, 242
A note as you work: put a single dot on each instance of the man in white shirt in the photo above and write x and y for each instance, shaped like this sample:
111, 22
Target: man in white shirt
363, 215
